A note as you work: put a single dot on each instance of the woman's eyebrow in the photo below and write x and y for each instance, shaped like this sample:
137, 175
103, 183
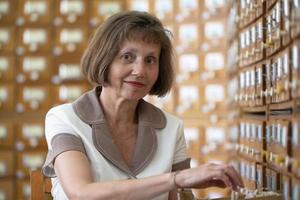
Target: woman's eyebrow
128, 49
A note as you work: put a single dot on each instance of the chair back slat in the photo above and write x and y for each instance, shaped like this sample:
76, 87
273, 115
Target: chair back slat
40, 186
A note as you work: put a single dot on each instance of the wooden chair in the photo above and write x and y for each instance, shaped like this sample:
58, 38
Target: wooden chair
40, 186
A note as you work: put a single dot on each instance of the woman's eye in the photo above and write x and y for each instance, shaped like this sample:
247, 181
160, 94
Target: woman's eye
127, 57
151, 60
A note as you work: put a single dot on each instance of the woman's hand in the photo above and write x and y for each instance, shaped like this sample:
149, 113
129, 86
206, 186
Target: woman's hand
209, 175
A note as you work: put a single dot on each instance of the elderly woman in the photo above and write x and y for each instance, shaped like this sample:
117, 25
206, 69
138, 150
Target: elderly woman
110, 143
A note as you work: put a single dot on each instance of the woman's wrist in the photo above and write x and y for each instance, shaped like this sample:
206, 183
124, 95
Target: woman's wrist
175, 179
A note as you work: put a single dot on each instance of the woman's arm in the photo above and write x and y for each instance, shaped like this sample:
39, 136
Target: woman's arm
73, 171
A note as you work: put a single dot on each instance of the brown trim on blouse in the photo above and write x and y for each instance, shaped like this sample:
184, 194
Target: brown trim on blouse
185, 164
89, 110
61, 143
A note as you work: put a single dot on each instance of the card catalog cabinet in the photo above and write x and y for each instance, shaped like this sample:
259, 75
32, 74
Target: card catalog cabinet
42, 41
266, 69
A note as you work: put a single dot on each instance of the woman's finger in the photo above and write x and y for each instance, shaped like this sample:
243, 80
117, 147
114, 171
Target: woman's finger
234, 176
232, 173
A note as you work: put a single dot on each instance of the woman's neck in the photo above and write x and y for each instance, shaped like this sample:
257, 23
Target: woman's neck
118, 110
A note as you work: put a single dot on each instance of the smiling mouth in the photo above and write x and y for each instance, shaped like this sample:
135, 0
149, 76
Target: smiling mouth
135, 84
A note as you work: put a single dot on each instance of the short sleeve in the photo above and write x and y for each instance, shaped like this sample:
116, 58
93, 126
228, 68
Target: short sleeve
181, 160
60, 137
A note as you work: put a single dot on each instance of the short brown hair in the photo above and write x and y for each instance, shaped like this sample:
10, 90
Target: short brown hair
108, 38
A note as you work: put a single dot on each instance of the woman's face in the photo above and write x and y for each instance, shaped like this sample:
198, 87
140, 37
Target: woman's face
134, 70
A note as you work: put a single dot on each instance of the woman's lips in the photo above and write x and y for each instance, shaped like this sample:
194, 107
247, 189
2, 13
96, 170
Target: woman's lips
135, 84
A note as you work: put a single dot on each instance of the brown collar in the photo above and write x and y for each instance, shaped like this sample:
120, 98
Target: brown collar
89, 110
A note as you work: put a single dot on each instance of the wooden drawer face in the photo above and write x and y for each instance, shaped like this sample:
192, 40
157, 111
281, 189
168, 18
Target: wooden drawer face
295, 68
164, 10
248, 173
278, 142
7, 68
242, 89
69, 40
67, 12
33, 98
68, 92
33, 40
245, 43
34, 68
214, 34
23, 190
30, 134
270, 3
29, 160
102, 9
273, 180
7, 11
270, 84
295, 142
215, 8
233, 91
295, 188
295, 16
233, 57
286, 21
34, 12
260, 85
7, 40
188, 98
7, 189
273, 38
215, 135
213, 64
282, 77
260, 176
247, 87
67, 70
258, 36
6, 133
166, 103
187, 10
193, 135
141, 5
252, 138
6, 164
188, 67
188, 37
286, 188
7, 97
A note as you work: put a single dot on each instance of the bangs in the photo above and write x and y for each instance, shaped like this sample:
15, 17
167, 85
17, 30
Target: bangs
147, 35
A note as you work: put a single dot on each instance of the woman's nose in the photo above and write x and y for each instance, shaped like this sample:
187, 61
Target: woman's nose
139, 68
